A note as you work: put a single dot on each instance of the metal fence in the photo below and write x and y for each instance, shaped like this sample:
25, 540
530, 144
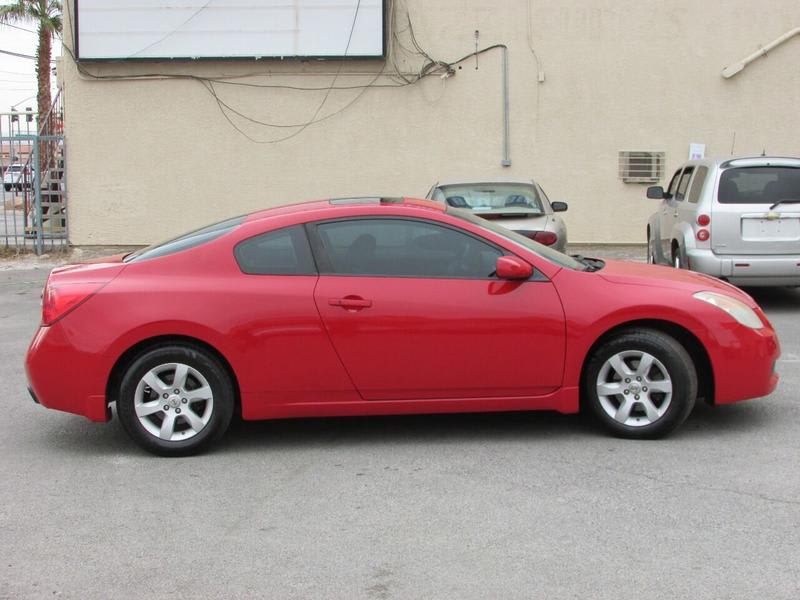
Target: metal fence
34, 192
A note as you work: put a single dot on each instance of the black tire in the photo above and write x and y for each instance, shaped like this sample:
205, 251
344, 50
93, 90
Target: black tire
651, 250
680, 371
207, 367
7, 186
677, 260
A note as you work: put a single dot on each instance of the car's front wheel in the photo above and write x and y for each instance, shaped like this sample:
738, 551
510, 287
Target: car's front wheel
641, 384
175, 400
677, 261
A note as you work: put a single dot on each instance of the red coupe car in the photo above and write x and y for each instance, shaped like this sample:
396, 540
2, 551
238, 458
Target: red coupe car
370, 306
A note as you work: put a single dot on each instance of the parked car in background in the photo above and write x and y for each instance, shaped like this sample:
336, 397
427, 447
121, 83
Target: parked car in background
377, 306
734, 218
518, 204
17, 176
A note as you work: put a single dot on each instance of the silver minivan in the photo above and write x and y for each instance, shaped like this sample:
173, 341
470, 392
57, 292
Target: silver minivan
734, 218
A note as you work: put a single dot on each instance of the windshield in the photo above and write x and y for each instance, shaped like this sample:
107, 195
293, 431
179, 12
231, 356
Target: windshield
759, 185
493, 198
186, 241
555, 256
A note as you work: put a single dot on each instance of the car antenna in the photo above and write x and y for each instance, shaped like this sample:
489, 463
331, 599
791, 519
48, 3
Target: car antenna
764, 151
733, 142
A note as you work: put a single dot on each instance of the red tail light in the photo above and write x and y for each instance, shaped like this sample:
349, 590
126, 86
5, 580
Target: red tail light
703, 220
703, 235
546, 238
59, 299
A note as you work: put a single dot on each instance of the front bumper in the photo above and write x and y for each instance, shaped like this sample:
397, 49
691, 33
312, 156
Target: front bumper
744, 363
753, 270
65, 378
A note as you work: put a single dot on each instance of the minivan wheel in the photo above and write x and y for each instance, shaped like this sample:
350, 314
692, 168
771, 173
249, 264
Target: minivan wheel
676, 258
175, 400
641, 384
651, 250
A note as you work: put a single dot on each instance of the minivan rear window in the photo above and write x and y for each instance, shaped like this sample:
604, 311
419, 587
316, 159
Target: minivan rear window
759, 185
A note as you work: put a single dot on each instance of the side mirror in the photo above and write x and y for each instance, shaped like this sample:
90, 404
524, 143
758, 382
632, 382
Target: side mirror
511, 267
559, 206
655, 192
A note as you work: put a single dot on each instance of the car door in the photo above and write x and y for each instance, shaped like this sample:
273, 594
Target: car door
415, 312
670, 208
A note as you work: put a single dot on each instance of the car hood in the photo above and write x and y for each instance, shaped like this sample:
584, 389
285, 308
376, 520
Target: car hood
632, 273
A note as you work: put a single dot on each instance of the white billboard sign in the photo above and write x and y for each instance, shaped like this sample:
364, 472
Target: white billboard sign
191, 29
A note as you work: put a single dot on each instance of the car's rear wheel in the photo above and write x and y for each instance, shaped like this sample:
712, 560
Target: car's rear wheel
175, 400
641, 384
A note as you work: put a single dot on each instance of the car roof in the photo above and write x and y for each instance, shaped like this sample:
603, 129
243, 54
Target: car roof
745, 161
484, 180
336, 204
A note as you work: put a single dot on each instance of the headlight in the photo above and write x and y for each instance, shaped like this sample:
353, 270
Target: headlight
735, 308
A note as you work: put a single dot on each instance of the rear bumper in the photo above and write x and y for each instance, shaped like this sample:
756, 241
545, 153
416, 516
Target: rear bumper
63, 378
758, 270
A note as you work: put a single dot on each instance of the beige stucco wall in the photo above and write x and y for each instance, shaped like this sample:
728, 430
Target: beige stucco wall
151, 159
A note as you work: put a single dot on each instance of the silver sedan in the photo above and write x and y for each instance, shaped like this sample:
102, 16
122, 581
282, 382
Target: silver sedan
517, 204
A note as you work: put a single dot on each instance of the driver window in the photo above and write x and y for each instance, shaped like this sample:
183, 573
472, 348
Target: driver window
405, 248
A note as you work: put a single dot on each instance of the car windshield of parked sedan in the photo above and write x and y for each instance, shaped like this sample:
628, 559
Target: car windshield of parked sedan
555, 256
494, 198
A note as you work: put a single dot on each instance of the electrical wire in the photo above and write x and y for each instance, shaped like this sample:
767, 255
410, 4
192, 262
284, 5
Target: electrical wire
539, 66
429, 67
158, 41
17, 54
17, 27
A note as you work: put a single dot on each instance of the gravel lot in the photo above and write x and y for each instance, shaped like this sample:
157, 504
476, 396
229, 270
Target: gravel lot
533, 505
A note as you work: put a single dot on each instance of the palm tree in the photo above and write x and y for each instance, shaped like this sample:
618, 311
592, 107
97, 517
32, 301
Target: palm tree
46, 15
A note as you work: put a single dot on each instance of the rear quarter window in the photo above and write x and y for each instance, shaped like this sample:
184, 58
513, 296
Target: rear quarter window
697, 184
281, 252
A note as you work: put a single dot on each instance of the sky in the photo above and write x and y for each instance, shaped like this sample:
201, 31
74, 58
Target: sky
18, 75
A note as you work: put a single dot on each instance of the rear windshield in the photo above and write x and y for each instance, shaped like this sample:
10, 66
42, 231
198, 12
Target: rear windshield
759, 185
494, 198
186, 241
552, 255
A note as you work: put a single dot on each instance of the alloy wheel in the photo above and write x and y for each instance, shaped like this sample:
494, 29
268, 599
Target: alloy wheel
173, 402
634, 388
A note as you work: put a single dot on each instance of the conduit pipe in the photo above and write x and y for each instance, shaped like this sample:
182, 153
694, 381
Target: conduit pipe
733, 69
506, 162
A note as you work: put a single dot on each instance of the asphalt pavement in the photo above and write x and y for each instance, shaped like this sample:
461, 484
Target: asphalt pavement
534, 505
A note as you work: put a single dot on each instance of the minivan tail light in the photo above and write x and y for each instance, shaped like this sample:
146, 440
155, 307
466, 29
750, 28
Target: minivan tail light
703, 220
703, 235
546, 238
60, 299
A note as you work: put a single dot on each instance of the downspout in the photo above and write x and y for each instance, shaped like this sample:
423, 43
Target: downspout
506, 162
733, 69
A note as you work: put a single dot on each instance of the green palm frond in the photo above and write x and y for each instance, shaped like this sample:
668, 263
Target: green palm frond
46, 15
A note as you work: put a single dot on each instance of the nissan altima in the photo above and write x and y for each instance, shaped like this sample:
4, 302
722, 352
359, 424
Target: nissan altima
378, 306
